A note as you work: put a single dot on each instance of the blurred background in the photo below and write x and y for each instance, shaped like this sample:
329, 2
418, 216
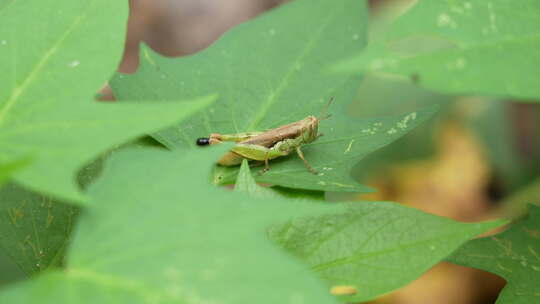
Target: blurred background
478, 159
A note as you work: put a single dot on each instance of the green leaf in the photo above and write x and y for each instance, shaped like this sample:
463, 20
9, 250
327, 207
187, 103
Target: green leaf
7, 169
513, 255
51, 68
480, 47
269, 72
34, 228
9, 272
156, 231
246, 183
376, 247
380, 94
300, 193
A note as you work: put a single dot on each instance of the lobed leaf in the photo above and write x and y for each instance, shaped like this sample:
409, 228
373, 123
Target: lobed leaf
513, 255
193, 243
466, 47
51, 68
376, 247
269, 72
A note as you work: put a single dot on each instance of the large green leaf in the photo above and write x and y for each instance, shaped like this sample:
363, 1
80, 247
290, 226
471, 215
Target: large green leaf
460, 46
376, 247
51, 68
157, 231
34, 228
513, 255
269, 72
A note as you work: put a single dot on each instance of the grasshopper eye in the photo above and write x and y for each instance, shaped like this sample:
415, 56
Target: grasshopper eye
203, 141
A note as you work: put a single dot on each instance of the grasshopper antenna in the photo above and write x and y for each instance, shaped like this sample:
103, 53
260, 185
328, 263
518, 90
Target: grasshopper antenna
324, 111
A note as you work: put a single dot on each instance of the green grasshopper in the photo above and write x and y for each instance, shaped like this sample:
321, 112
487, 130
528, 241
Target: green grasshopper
270, 144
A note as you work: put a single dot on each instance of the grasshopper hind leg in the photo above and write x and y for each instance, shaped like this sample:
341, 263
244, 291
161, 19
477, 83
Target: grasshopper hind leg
257, 153
266, 165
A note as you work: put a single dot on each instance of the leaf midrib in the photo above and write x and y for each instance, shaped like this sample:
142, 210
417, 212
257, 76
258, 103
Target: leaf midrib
493, 44
294, 69
358, 256
18, 90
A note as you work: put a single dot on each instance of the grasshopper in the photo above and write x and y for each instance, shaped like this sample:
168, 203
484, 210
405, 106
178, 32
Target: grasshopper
270, 144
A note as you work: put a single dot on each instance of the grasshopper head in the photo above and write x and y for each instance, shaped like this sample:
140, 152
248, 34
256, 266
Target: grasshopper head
310, 128
311, 124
